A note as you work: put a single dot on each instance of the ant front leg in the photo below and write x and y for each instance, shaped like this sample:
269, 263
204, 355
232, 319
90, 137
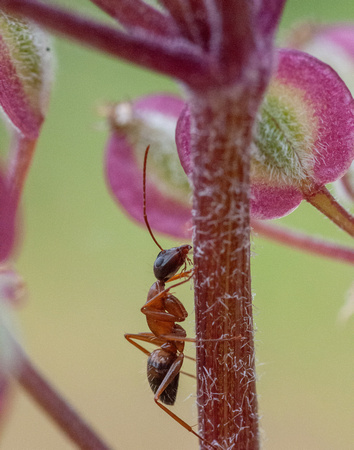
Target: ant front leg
185, 274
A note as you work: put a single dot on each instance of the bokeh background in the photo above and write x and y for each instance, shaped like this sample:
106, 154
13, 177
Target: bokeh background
88, 270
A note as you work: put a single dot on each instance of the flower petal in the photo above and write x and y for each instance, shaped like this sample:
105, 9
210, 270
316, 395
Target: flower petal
149, 121
183, 139
265, 197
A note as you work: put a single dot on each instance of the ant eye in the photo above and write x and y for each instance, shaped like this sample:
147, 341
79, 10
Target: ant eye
159, 260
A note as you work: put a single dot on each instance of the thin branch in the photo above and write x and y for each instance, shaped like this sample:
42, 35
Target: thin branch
136, 13
269, 15
190, 17
328, 205
20, 158
302, 241
55, 406
175, 57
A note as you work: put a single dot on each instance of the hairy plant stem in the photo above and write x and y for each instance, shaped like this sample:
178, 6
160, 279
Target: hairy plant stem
221, 133
20, 159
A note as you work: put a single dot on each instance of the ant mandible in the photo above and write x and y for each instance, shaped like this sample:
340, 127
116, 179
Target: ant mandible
162, 311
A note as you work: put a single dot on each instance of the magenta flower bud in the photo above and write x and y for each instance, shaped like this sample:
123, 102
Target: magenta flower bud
333, 44
25, 74
150, 121
304, 136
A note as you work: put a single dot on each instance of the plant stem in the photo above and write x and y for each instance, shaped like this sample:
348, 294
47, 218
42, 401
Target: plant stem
304, 242
137, 13
178, 59
221, 128
327, 204
54, 405
21, 156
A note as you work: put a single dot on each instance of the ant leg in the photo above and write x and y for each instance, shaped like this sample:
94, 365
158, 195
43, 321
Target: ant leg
188, 274
188, 374
171, 374
171, 337
158, 341
151, 339
145, 337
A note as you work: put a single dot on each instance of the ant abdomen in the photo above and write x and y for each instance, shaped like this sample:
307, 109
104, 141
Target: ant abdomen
158, 365
168, 262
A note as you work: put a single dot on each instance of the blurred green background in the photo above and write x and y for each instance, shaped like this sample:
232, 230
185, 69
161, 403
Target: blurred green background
88, 270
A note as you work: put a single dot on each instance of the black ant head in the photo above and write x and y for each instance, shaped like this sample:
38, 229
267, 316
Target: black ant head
168, 262
158, 365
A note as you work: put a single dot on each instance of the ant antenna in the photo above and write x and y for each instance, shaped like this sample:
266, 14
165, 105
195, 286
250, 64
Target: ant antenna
144, 193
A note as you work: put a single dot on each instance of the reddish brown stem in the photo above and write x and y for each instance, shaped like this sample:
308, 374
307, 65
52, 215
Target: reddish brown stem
55, 406
137, 13
21, 156
222, 129
327, 204
302, 241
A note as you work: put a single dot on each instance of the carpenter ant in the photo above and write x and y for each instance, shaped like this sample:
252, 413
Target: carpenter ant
162, 311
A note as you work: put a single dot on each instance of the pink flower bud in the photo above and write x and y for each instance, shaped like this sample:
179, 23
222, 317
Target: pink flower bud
25, 73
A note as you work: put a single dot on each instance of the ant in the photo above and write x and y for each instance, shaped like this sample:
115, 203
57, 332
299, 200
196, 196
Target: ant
162, 311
